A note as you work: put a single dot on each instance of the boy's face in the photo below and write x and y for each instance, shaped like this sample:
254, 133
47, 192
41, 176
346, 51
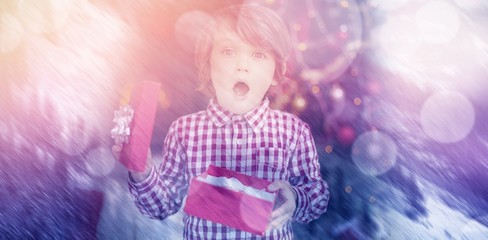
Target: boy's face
241, 74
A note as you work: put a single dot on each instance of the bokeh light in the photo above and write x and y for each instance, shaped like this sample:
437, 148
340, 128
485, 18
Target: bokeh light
374, 153
299, 103
437, 21
315, 89
337, 93
357, 101
327, 37
447, 117
346, 135
329, 149
397, 38
338, 102
472, 61
430, 45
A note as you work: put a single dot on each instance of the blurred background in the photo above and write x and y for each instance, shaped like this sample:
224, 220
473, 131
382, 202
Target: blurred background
395, 91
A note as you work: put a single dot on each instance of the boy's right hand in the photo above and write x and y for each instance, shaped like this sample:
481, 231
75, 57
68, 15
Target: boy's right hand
137, 176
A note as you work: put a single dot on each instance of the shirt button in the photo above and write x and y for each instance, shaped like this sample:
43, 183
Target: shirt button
239, 141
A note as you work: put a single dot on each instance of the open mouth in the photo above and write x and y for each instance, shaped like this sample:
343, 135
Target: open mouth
240, 89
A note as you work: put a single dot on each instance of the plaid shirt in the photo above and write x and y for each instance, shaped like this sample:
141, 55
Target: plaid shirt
265, 143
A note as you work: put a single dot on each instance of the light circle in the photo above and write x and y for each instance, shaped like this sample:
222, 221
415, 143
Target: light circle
438, 22
447, 117
374, 153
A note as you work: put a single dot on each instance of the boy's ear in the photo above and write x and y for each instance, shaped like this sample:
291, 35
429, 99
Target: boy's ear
275, 81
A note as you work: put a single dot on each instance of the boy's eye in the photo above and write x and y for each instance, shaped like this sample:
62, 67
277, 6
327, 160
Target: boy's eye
228, 52
259, 55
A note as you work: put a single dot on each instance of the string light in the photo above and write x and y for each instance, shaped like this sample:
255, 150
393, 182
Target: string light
328, 149
299, 102
354, 72
357, 101
315, 89
302, 47
336, 92
335, 29
164, 100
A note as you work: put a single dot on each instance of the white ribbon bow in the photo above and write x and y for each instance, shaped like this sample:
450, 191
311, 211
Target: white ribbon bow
122, 119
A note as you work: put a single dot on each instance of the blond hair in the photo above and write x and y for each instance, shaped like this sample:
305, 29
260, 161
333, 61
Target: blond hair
256, 25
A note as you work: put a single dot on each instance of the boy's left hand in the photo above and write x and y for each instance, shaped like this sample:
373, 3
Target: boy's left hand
285, 211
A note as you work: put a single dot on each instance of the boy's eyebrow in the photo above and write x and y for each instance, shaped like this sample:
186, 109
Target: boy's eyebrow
224, 44
225, 40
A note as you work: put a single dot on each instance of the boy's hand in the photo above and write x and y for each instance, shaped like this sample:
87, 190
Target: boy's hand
286, 208
137, 176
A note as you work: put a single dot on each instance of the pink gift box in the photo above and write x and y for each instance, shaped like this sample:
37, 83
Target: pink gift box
144, 101
232, 199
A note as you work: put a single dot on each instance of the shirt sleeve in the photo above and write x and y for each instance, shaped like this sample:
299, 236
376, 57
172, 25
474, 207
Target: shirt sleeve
161, 193
312, 191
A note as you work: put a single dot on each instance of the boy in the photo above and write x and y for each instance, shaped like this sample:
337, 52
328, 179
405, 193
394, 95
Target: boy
239, 58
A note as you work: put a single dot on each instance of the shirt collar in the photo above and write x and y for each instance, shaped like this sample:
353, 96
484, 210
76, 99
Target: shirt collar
255, 118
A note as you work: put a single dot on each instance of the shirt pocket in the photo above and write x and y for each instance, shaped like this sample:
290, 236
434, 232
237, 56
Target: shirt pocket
269, 163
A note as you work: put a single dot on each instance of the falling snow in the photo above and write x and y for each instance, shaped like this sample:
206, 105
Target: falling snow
394, 92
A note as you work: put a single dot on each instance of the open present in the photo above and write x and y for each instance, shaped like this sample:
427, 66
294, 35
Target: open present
232, 199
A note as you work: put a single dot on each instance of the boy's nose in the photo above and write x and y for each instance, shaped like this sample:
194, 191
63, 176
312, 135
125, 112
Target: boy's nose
242, 64
242, 69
